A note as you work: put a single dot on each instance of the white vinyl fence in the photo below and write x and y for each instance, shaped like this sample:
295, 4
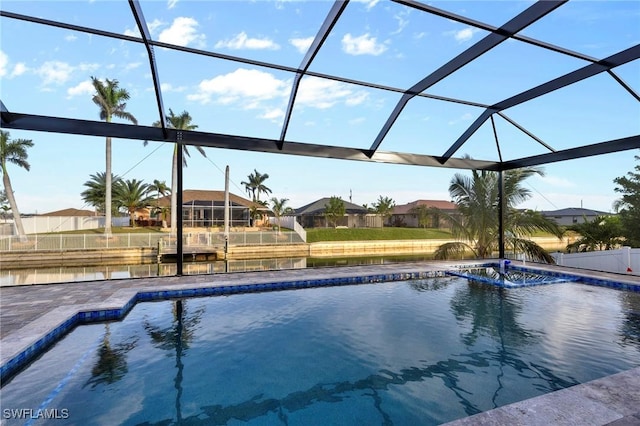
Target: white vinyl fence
291, 223
44, 224
625, 260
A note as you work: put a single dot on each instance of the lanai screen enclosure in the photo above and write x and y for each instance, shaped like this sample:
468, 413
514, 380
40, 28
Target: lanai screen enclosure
516, 21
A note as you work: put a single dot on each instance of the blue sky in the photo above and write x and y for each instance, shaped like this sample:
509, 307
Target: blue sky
47, 71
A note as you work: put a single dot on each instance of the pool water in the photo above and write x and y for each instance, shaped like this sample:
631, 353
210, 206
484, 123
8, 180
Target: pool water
408, 352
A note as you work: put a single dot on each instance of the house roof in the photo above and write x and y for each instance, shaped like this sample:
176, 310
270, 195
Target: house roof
70, 212
189, 195
438, 204
574, 211
318, 207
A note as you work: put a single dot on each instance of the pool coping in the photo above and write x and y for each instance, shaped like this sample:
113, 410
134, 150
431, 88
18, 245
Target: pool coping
22, 346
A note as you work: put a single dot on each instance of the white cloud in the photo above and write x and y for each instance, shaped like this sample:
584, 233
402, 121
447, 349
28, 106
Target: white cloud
71, 37
302, 44
132, 66
275, 115
242, 41
84, 88
182, 32
402, 21
132, 33
464, 117
357, 121
369, 3
88, 67
257, 90
4, 62
463, 35
166, 87
154, 25
357, 99
362, 45
171, 4
54, 72
18, 69
248, 85
322, 94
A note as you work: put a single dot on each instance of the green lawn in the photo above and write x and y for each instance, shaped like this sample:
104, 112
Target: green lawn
361, 234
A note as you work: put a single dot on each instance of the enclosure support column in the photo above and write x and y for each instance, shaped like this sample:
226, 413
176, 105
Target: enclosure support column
500, 215
226, 211
179, 248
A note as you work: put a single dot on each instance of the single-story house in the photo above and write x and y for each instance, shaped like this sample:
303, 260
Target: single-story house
203, 209
422, 213
355, 216
573, 215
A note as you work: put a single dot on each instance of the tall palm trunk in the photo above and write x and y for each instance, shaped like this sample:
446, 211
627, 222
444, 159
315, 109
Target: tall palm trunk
12, 203
107, 186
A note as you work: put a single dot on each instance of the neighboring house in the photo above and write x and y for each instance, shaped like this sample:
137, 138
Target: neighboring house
202, 209
573, 215
312, 216
407, 214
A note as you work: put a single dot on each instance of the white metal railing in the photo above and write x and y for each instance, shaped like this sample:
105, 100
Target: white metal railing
55, 242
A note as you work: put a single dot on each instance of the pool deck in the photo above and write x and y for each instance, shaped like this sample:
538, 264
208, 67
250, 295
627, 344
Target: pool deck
28, 313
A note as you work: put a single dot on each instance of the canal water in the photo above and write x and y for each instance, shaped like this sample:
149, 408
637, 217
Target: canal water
45, 275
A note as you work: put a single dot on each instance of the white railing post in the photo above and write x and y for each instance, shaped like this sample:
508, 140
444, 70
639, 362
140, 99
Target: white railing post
129, 240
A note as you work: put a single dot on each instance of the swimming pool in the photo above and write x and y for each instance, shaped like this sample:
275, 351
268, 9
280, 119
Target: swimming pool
406, 352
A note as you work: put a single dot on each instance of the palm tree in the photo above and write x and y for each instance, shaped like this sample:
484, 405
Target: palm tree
255, 185
477, 221
132, 195
279, 208
4, 205
161, 189
13, 151
110, 98
94, 195
179, 122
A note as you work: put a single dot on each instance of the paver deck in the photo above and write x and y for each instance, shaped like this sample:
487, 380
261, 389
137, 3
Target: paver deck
28, 312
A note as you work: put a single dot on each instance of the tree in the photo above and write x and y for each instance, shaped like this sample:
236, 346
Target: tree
602, 233
334, 210
94, 195
110, 98
132, 195
255, 185
279, 208
13, 151
179, 122
427, 216
628, 207
477, 222
161, 189
384, 207
5, 208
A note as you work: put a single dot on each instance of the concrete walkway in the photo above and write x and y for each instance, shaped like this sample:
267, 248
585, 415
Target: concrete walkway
27, 313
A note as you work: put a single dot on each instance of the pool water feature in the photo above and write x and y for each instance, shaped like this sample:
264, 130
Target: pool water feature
407, 352
510, 277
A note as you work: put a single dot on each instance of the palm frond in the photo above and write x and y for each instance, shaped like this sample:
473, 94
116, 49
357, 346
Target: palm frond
453, 250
